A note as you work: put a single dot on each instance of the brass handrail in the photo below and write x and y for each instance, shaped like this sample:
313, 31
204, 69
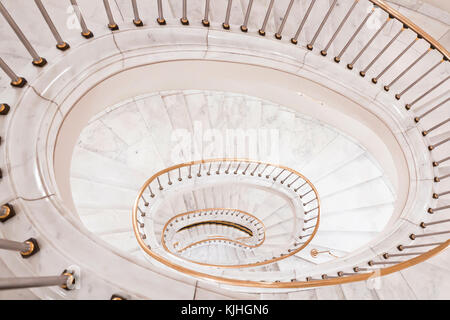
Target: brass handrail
260, 164
213, 238
411, 25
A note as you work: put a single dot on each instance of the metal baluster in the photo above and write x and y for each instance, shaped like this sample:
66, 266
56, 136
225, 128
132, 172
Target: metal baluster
268, 175
433, 210
236, 171
424, 225
26, 248
137, 20
308, 220
415, 236
190, 171
351, 64
168, 177
226, 23
434, 146
60, 44
292, 182
4, 110
159, 183
389, 255
218, 168
248, 165
417, 118
151, 192
184, 20
112, 25
161, 21
287, 177
38, 61
85, 32
283, 22
387, 87
374, 263
199, 170
253, 172
205, 20
260, 173
179, 174
145, 201
16, 81
244, 27
375, 79
294, 40
323, 52
66, 281
409, 105
262, 30
209, 169
402, 247
425, 132
303, 184
363, 72
306, 212
6, 212
310, 45
275, 178
438, 179
437, 163
399, 95
349, 42
228, 169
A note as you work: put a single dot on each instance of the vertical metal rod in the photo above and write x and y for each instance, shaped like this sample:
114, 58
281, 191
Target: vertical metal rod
112, 25
184, 20
324, 51
31, 282
60, 44
310, 45
436, 163
423, 224
440, 124
37, 60
375, 80
399, 95
364, 71
16, 81
283, 22
294, 40
137, 20
205, 20
85, 32
351, 64
160, 18
14, 245
406, 69
409, 105
431, 110
244, 26
226, 23
262, 31
349, 42
433, 146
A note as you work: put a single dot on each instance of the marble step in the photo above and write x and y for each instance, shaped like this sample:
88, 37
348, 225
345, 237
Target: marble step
89, 194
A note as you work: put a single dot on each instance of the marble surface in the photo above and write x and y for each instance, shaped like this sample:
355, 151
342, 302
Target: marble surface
50, 83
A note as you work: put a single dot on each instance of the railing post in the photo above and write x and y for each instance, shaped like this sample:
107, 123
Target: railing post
294, 40
184, 19
226, 23
244, 26
112, 25
205, 20
85, 32
60, 44
66, 281
262, 30
137, 21
16, 81
38, 61
6, 211
310, 45
26, 248
161, 21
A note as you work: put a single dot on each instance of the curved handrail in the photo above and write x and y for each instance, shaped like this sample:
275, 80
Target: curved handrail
214, 238
257, 164
411, 25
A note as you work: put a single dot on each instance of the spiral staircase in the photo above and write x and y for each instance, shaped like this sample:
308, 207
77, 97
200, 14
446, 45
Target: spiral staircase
292, 149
